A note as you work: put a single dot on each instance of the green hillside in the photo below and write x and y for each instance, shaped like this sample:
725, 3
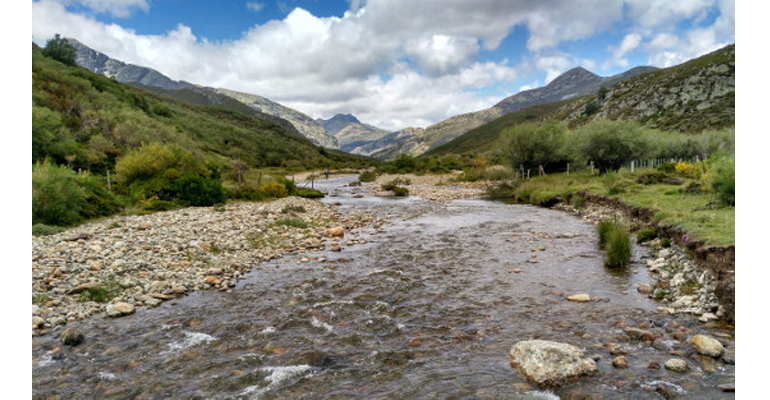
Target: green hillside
689, 98
87, 121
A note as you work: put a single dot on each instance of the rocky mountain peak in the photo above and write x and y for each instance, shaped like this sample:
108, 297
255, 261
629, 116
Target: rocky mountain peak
338, 122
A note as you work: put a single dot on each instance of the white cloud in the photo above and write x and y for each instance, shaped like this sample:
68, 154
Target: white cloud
396, 63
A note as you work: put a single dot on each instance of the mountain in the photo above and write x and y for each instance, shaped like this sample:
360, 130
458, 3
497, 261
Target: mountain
150, 79
337, 122
304, 124
691, 97
87, 121
571, 84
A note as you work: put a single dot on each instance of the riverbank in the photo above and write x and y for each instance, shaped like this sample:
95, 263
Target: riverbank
142, 261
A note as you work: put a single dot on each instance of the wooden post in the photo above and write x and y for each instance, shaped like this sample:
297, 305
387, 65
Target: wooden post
567, 169
109, 185
259, 178
542, 171
528, 171
592, 167
632, 166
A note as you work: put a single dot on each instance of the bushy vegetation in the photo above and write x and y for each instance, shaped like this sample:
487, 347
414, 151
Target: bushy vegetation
394, 186
646, 234
615, 239
722, 179
367, 176
531, 146
119, 140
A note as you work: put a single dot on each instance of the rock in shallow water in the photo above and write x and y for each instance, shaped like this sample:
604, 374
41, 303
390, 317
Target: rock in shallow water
550, 363
707, 345
71, 337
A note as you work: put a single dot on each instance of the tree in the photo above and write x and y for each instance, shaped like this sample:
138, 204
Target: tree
60, 49
239, 169
610, 144
530, 145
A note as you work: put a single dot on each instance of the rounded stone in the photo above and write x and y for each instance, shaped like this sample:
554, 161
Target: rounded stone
71, 337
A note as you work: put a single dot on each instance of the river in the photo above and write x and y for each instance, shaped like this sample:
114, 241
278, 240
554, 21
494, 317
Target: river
427, 307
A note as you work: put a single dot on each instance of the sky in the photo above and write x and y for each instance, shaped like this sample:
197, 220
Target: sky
391, 63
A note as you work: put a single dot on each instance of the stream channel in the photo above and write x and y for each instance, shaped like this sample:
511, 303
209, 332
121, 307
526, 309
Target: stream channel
428, 307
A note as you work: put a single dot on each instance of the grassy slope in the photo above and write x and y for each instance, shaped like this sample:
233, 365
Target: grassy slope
97, 119
715, 225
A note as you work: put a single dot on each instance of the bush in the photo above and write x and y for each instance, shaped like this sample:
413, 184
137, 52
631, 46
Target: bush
399, 191
668, 167
610, 144
98, 201
309, 193
367, 176
45, 230
658, 177
504, 190
613, 182
722, 180
198, 191
292, 222
615, 239
274, 189
56, 196
646, 234
61, 50
152, 168
530, 145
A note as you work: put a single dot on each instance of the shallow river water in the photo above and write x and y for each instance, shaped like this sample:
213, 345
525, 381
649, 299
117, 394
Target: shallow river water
427, 308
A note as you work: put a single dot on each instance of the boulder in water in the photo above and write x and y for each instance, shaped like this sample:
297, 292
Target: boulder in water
550, 363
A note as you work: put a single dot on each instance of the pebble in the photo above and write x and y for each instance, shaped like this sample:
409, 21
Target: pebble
676, 365
579, 298
71, 337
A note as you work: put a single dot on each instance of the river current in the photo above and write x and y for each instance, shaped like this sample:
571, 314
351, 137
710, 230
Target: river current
428, 307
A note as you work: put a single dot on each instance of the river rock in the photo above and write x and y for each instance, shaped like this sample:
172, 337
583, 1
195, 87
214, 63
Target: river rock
579, 298
120, 309
640, 334
336, 231
645, 288
706, 345
550, 363
676, 365
37, 322
71, 337
620, 362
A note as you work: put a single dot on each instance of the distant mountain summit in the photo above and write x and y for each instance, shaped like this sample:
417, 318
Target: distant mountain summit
152, 80
337, 122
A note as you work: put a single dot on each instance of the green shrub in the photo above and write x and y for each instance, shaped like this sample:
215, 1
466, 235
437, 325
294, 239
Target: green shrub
151, 169
613, 182
503, 190
367, 176
292, 222
669, 167
658, 177
274, 189
722, 180
102, 293
646, 234
248, 192
98, 201
198, 191
45, 230
293, 209
309, 193
57, 198
400, 191
615, 239
155, 204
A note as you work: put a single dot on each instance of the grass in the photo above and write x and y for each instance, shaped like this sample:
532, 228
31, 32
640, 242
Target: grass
292, 222
102, 293
715, 225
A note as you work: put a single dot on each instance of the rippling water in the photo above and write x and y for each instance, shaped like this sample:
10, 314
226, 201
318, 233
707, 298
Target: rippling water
429, 308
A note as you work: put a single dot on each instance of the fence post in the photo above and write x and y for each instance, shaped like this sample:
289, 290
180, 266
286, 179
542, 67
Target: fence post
567, 169
109, 185
632, 166
592, 167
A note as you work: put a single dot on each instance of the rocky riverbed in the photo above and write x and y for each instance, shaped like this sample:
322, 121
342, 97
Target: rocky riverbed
416, 283
111, 266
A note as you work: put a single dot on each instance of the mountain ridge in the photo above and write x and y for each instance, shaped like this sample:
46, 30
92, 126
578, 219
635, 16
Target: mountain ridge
153, 80
573, 83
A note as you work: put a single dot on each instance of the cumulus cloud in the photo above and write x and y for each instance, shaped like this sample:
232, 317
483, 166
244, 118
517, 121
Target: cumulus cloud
393, 63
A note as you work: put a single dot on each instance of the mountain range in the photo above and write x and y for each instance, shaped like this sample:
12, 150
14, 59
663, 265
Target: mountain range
346, 132
152, 80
